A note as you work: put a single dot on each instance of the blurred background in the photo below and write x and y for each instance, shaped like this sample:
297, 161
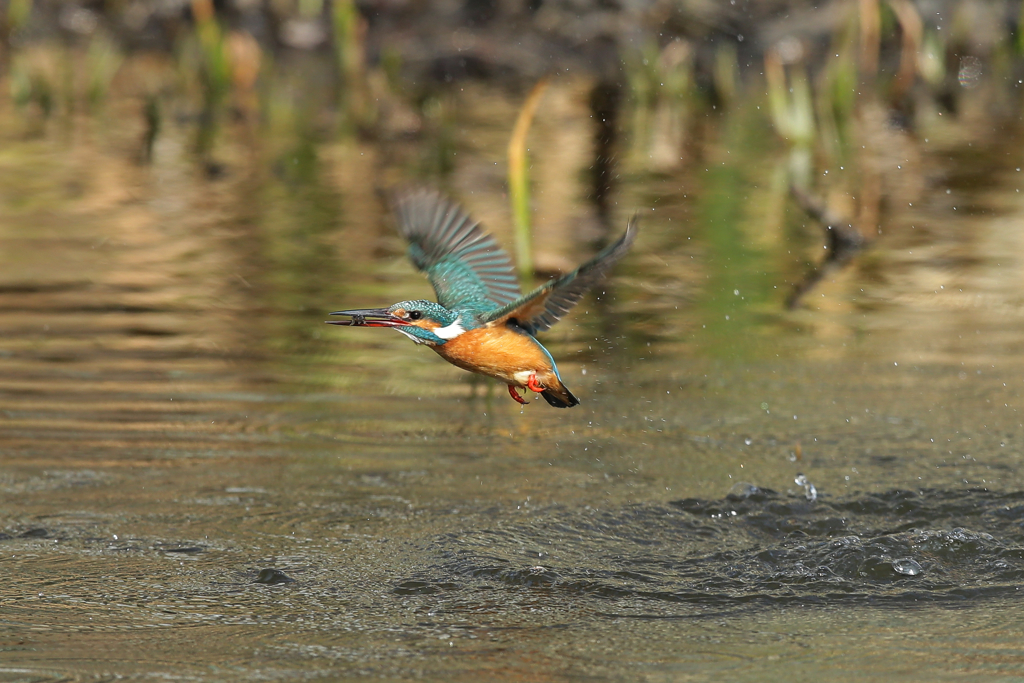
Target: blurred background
242, 153
772, 129
801, 389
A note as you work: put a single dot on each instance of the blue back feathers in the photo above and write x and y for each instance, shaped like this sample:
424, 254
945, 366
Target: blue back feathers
467, 268
473, 275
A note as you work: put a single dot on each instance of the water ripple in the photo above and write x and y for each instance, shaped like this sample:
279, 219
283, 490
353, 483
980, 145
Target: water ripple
755, 547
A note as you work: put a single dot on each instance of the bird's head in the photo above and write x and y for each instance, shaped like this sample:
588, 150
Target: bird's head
425, 322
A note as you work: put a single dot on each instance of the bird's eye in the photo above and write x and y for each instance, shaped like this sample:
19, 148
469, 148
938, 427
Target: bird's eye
415, 315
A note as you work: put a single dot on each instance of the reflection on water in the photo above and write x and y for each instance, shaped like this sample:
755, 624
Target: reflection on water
176, 420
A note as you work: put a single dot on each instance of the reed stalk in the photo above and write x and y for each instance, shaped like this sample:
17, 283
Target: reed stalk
214, 54
519, 182
349, 45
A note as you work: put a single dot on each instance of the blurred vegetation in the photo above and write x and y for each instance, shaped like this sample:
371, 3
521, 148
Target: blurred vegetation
818, 68
841, 88
519, 182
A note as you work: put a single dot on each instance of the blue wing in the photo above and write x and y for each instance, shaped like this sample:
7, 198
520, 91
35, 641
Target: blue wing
544, 306
467, 268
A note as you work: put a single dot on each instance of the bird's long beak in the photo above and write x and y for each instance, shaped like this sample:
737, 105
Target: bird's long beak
368, 317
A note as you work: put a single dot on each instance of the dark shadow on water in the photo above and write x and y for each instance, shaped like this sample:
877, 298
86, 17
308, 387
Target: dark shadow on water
843, 243
755, 548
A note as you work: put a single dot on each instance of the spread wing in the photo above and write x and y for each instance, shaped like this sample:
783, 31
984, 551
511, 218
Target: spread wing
544, 306
464, 264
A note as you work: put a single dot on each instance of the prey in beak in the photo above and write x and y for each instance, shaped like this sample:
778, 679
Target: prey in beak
368, 317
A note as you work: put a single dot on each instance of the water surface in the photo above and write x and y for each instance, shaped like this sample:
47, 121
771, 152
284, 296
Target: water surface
175, 418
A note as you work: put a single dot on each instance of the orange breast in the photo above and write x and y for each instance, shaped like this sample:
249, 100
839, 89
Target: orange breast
498, 352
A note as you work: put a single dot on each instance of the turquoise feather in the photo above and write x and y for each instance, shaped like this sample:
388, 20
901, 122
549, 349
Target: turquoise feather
564, 292
467, 268
472, 274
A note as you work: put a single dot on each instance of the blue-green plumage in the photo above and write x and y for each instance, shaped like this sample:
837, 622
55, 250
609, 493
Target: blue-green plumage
467, 268
481, 321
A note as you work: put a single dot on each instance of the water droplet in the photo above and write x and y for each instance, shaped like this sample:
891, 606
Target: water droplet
907, 566
742, 489
810, 493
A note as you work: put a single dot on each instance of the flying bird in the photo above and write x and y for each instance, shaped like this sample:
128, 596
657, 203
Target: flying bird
481, 321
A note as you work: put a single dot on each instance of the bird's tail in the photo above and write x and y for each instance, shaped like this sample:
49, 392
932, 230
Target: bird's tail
560, 397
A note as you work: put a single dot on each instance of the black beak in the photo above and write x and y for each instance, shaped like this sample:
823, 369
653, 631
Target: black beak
368, 317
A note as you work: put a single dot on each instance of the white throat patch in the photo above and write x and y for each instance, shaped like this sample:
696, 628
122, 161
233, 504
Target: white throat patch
450, 332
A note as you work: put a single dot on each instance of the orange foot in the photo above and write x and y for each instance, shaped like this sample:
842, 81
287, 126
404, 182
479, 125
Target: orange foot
532, 384
515, 394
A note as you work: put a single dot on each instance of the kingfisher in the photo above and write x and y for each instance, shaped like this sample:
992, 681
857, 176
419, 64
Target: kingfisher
481, 321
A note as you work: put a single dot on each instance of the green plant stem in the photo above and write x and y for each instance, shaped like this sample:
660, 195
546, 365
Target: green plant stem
519, 183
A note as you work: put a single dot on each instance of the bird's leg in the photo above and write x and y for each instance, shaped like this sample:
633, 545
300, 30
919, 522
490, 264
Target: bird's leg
533, 385
515, 394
